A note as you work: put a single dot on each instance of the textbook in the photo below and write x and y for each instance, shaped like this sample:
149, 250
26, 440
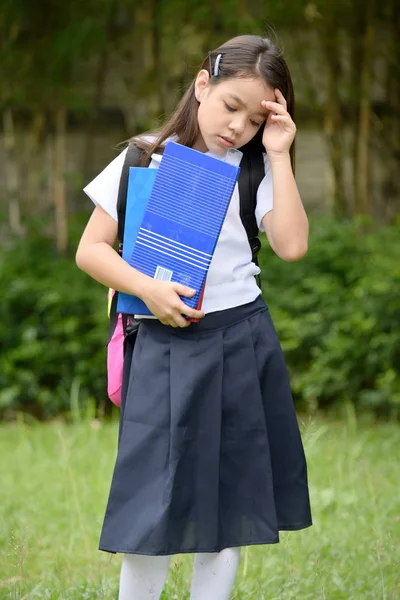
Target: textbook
172, 236
140, 184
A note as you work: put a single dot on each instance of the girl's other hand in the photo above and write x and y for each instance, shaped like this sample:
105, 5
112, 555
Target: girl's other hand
162, 298
280, 129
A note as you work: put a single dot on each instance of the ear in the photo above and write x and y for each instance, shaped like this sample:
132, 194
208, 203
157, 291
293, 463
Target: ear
201, 84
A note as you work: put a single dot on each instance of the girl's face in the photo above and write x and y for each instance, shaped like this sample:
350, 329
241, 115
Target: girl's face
230, 112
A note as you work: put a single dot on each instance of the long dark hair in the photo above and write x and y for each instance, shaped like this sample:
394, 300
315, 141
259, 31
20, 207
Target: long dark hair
243, 56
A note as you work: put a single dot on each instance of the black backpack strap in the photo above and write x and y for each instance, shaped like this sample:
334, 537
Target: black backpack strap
113, 317
252, 172
133, 158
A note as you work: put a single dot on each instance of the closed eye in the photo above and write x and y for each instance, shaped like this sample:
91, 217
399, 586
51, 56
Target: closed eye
230, 108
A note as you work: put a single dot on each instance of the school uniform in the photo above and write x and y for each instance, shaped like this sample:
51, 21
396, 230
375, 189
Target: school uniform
209, 455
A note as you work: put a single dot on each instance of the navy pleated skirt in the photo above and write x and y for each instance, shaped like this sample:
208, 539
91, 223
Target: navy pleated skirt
209, 453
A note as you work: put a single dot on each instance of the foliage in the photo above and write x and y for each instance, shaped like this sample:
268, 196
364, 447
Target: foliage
337, 312
123, 62
52, 502
53, 331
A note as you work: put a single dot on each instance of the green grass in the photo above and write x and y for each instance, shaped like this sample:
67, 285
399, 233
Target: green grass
54, 482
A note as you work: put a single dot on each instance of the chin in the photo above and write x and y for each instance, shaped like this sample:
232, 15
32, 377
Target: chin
217, 148
211, 145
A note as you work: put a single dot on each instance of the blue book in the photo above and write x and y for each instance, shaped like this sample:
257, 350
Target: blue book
140, 184
180, 223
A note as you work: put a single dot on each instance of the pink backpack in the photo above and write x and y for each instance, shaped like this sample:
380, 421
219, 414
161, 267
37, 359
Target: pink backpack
115, 356
120, 325
123, 330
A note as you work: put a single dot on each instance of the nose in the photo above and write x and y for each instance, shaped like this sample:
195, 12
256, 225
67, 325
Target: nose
237, 124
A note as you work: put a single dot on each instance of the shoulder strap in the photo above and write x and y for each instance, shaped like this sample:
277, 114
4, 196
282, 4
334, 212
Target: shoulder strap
251, 174
133, 158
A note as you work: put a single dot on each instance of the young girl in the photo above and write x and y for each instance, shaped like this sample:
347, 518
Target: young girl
210, 456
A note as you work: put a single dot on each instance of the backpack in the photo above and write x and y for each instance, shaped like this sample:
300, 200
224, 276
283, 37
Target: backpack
123, 328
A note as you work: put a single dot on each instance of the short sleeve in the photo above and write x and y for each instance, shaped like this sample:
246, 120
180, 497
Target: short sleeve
103, 189
265, 195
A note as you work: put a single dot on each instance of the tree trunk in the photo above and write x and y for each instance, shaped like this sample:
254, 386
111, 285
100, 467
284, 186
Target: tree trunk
389, 148
363, 196
305, 44
356, 58
34, 161
97, 101
333, 122
11, 173
59, 189
158, 62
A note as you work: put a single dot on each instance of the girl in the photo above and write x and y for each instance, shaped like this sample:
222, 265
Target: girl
210, 456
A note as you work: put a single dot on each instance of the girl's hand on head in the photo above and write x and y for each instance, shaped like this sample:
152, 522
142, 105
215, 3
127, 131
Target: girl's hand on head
279, 130
162, 298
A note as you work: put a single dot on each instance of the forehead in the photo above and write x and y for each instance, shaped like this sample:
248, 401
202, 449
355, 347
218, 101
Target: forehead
250, 91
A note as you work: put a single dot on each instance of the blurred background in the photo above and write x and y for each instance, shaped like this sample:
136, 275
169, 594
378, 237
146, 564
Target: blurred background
77, 79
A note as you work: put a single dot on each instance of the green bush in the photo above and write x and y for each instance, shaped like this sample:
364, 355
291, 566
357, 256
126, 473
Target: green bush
337, 312
53, 331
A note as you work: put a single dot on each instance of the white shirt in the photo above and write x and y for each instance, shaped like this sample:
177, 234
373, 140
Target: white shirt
231, 276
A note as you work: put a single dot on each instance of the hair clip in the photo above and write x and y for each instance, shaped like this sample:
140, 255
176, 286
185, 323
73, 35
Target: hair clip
216, 66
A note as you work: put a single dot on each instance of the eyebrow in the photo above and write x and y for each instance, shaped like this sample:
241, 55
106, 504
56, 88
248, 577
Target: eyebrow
239, 101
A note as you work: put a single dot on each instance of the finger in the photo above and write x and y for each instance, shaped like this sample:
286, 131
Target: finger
167, 321
283, 118
285, 122
180, 321
280, 97
192, 313
183, 290
171, 321
275, 107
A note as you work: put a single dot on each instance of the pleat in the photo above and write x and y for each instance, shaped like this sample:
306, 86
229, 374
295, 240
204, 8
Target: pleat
210, 455
195, 399
246, 474
287, 454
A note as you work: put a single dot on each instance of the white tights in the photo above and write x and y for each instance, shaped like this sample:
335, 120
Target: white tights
143, 577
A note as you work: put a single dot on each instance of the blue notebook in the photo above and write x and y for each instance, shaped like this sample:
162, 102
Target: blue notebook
140, 184
181, 222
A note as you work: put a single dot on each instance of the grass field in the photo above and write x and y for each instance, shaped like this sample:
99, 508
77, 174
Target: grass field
54, 485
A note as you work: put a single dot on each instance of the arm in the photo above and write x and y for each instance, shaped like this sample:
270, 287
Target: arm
286, 225
97, 257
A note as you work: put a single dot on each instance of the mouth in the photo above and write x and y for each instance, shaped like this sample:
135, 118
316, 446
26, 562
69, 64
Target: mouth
226, 141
